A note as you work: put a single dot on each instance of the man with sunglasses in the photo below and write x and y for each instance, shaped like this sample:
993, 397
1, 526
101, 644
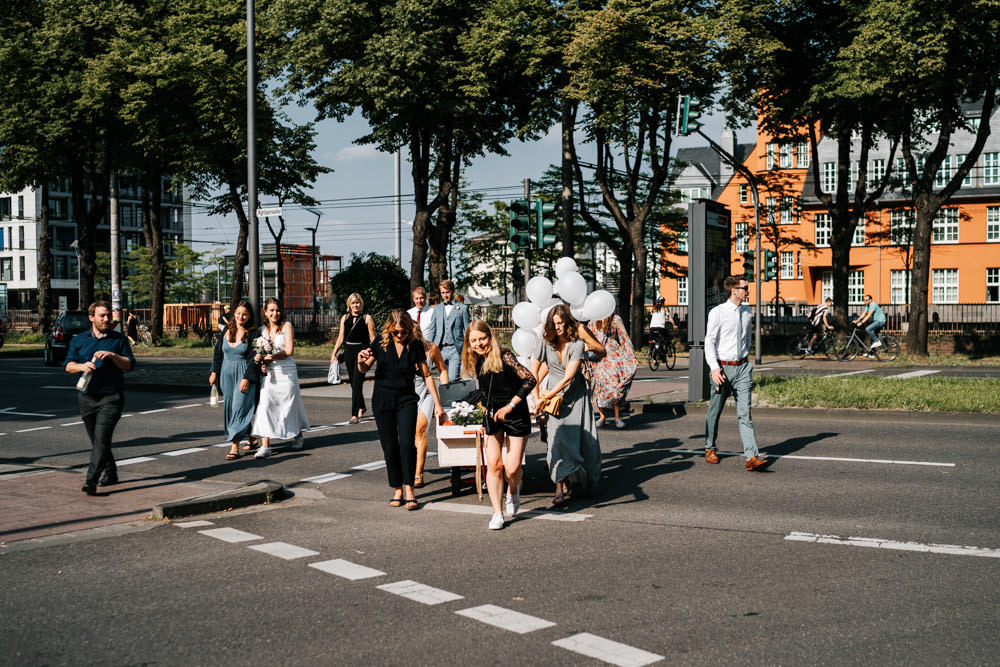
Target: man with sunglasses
727, 353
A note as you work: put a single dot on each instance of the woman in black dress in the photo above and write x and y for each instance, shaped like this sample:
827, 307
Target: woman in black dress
398, 356
357, 331
505, 385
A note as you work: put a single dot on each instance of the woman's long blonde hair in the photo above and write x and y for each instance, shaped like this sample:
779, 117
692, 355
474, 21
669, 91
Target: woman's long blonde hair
403, 319
492, 362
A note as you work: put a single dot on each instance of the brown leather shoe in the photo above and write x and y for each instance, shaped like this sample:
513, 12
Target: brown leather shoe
756, 463
711, 456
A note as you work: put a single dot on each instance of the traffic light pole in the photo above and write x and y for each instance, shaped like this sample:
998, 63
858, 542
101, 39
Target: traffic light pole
527, 250
758, 258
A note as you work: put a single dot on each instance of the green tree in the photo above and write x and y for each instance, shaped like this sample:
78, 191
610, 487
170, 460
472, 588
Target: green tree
379, 280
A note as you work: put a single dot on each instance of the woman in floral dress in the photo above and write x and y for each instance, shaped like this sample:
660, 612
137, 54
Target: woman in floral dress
613, 375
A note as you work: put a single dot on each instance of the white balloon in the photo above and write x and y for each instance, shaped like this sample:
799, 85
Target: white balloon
578, 314
599, 304
523, 342
544, 316
539, 290
572, 287
565, 265
525, 315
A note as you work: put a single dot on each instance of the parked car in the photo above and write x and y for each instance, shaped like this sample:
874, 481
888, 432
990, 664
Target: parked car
68, 324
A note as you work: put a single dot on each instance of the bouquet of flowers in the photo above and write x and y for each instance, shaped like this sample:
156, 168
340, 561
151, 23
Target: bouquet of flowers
465, 414
263, 345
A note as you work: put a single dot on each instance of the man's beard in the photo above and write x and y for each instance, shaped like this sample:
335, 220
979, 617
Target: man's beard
103, 327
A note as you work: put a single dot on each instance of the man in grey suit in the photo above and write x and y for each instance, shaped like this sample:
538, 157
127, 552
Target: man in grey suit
450, 320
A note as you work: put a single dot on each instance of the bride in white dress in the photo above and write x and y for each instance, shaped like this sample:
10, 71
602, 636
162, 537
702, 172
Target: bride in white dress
280, 411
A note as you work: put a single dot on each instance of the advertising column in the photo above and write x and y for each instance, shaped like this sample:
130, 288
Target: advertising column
709, 262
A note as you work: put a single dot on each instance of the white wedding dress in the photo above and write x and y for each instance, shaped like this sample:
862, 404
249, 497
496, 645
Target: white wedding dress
280, 411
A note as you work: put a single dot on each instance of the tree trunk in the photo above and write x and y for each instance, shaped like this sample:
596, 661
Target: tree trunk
152, 230
568, 125
420, 172
916, 334
44, 265
86, 227
639, 252
241, 258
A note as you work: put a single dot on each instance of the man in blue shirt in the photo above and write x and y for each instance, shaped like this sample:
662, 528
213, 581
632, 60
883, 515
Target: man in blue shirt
105, 354
875, 317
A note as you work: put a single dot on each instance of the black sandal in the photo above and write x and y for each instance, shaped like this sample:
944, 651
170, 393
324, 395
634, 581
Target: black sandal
412, 504
396, 502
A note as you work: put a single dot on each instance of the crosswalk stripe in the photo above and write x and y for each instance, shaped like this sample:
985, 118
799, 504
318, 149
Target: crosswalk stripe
328, 477
149, 412
845, 459
284, 550
606, 650
135, 459
231, 535
374, 465
506, 619
346, 569
878, 543
418, 592
181, 452
193, 524
912, 374
524, 514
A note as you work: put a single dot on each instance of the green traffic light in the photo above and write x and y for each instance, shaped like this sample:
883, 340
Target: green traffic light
519, 234
545, 216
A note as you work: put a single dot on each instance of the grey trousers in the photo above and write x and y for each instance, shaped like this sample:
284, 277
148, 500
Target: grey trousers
739, 383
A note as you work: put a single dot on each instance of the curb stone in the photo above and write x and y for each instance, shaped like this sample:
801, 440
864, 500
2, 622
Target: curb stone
254, 493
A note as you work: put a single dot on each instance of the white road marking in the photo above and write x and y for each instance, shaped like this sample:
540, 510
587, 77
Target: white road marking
347, 569
11, 411
912, 374
230, 535
506, 619
418, 592
820, 458
149, 412
837, 375
343, 423
374, 465
179, 452
284, 550
328, 477
57, 386
137, 459
318, 428
192, 524
28, 430
72, 424
525, 514
182, 407
878, 543
606, 650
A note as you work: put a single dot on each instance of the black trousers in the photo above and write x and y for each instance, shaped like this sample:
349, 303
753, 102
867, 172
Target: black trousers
396, 419
100, 414
356, 377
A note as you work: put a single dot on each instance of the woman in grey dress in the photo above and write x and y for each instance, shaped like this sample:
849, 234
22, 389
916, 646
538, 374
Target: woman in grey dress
574, 451
233, 369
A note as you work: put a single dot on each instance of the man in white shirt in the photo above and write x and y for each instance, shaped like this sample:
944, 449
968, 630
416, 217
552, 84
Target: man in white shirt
421, 313
727, 353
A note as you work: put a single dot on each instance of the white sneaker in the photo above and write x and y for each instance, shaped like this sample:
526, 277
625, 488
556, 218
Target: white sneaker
496, 523
599, 423
513, 501
262, 453
299, 442
877, 343
619, 423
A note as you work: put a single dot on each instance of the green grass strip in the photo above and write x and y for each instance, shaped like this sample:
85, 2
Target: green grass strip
981, 395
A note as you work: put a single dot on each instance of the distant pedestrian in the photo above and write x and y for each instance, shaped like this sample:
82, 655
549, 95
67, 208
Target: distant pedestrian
422, 313
237, 376
280, 411
357, 331
614, 373
105, 354
132, 327
505, 385
727, 353
574, 451
451, 319
398, 357
224, 314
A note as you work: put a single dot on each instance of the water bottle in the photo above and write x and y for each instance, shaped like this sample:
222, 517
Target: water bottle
84, 380
213, 396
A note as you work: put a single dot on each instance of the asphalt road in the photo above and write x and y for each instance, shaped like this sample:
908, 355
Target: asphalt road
832, 556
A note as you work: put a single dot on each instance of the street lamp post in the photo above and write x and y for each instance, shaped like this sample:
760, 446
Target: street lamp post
75, 245
315, 294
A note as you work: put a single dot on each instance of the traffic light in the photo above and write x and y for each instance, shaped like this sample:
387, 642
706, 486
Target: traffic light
770, 265
546, 220
689, 110
520, 224
748, 266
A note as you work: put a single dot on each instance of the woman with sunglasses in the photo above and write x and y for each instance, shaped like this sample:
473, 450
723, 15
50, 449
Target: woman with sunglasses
398, 357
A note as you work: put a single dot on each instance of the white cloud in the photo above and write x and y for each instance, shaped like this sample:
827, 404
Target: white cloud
355, 153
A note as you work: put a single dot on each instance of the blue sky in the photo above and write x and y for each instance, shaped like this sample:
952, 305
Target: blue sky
351, 223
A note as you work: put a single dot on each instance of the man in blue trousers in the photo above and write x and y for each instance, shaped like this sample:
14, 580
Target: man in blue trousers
451, 319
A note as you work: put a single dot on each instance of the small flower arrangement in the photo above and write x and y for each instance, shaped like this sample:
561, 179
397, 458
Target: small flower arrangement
465, 414
263, 345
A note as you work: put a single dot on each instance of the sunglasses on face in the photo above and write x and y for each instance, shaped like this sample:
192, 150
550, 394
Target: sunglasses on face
399, 332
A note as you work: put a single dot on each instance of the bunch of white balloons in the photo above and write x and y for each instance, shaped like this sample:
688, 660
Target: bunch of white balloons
529, 316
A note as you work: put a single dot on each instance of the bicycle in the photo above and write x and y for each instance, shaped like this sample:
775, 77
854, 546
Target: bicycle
849, 347
145, 337
664, 352
798, 348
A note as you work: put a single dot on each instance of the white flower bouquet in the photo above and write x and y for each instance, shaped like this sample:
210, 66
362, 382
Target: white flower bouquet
465, 414
263, 345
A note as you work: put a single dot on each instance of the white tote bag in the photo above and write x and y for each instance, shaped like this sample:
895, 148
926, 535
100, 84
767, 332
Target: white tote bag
333, 375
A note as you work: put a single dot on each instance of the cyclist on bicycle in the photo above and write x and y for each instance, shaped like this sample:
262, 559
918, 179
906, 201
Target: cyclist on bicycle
819, 322
875, 318
658, 323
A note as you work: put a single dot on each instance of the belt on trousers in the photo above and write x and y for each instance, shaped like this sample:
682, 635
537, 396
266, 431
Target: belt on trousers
446, 344
735, 363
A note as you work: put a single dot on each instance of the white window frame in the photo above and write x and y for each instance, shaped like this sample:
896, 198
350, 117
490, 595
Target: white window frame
785, 158
899, 286
945, 171
993, 282
992, 224
829, 177
858, 239
876, 172
991, 168
901, 221
959, 161
944, 286
741, 231
771, 153
786, 264
855, 170
798, 264
802, 155
824, 227
856, 287
789, 211
682, 291
744, 193
826, 285
945, 229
